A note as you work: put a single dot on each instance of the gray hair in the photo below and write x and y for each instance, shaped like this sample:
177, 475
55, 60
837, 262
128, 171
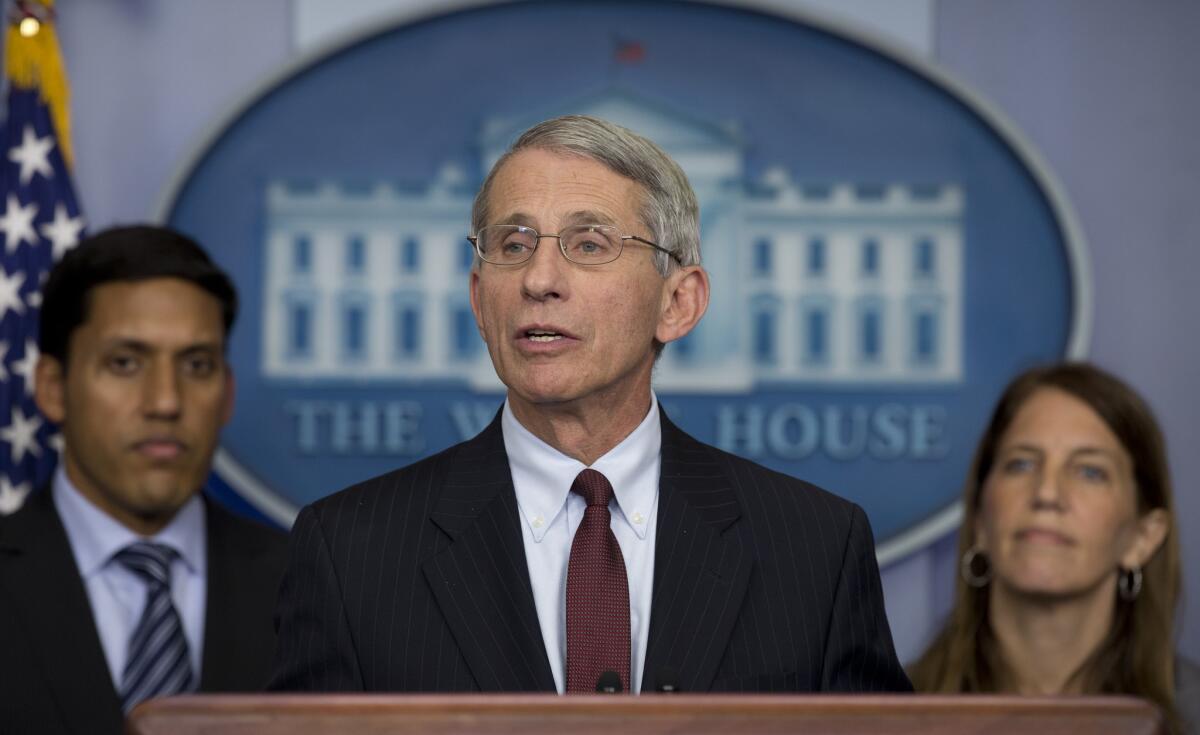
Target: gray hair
669, 206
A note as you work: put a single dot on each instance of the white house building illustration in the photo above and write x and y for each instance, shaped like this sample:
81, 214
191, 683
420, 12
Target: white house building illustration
813, 282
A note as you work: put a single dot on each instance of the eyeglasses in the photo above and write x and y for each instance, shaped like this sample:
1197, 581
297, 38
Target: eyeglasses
582, 244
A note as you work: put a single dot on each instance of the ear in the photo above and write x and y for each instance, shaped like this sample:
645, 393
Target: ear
230, 393
685, 299
1151, 532
475, 309
49, 388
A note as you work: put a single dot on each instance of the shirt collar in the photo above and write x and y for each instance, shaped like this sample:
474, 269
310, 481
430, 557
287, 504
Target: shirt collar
96, 536
542, 475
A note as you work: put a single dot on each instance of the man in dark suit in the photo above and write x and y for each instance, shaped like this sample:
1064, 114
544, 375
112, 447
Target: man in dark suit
119, 582
582, 542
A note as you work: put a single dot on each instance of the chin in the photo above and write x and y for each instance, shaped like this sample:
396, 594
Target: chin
545, 397
544, 389
162, 508
166, 500
1048, 590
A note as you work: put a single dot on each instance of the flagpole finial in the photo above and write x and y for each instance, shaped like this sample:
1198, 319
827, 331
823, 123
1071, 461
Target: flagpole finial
29, 26
32, 60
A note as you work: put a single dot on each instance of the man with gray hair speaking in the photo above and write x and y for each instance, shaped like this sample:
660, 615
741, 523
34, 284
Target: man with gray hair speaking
582, 542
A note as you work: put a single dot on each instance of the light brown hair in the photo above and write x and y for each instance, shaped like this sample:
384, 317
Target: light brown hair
1137, 656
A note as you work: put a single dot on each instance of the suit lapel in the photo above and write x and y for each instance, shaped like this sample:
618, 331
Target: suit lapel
481, 582
47, 594
701, 567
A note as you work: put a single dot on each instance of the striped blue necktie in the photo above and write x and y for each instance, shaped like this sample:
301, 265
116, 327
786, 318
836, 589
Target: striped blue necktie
158, 663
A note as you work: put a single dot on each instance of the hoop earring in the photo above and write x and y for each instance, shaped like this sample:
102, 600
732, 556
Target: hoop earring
976, 579
1129, 584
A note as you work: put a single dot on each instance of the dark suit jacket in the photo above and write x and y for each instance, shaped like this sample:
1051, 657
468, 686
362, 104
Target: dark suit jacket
417, 581
53, 674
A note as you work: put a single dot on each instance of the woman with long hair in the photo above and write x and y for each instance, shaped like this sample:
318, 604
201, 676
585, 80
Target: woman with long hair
1070, 568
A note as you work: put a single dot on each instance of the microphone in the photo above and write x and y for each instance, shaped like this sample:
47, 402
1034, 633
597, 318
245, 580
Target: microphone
667, 681
609, 683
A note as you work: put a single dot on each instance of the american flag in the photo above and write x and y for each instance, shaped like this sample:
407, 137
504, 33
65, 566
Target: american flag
39, 221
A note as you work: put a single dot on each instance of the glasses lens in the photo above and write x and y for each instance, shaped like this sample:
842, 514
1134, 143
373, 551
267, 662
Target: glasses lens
506, 244
591, 244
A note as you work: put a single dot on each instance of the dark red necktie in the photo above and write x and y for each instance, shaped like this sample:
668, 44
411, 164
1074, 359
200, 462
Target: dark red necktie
597, 593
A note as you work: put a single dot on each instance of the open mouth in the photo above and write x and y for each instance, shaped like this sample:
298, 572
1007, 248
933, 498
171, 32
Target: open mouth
542, 335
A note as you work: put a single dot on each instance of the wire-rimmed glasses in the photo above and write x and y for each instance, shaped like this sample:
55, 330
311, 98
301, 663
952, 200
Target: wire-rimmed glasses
582, 244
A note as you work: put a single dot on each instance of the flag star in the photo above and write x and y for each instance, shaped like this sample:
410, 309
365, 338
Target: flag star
63, 231
26, 365
12, 496
21, 434
17, 223
10, 292
32, 155
55, 442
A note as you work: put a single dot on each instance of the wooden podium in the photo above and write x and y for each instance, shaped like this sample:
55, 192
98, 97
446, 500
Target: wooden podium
543, 714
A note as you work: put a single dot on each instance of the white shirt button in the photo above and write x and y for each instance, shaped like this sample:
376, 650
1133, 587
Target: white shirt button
639, 518
538, 521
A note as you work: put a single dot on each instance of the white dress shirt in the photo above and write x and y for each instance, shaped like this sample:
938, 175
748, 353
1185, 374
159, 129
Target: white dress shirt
542, 477
117, 595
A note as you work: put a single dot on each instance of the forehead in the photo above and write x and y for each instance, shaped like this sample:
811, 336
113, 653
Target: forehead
1051, 417
167, 311
548, 187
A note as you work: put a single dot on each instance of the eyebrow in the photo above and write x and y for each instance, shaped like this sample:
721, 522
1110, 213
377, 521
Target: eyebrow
578, 217
1085, 450
1107, 453
517, 218
144, 347
588, 217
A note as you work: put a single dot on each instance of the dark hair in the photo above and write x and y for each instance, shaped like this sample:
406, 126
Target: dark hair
1137, 656
131, 253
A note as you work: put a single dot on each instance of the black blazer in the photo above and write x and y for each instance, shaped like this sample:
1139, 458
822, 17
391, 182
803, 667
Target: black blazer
53, 674
417, 581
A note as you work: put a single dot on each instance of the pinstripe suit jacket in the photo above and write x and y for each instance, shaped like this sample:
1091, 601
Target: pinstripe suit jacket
417, 581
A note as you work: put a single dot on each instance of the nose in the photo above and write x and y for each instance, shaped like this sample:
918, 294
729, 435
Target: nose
544, 275
161, 396
1049, 490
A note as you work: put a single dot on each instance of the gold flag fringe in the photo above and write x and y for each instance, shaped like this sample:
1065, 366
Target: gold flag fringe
35, 63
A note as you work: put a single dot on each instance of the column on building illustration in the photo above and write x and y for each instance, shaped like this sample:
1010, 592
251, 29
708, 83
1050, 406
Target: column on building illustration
354, 302
465, 343
870, 308
300, 299
764, 337
816, 305
407, 303
764, 312
870, 312
925, 305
